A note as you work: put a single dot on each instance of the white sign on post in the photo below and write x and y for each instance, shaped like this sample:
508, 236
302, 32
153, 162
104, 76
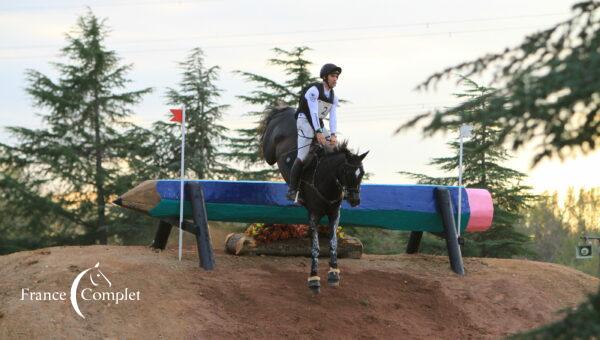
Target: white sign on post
584, 252
465, 130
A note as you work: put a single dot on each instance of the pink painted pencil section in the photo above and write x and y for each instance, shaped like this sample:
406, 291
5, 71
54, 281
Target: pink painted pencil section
482, 210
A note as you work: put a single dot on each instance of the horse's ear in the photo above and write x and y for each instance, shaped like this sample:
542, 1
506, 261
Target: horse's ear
361, 157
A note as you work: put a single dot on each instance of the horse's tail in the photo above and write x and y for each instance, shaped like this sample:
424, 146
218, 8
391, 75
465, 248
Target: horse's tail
264, 122
269, 113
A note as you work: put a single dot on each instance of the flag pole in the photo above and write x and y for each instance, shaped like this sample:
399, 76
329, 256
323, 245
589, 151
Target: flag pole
460, 170
464, 132
182, 181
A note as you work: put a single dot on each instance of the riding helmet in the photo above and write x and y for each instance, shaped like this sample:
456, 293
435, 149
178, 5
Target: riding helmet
328, 69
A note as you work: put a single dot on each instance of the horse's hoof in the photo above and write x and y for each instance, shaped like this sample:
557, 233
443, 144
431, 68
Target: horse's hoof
314, 283
333, 278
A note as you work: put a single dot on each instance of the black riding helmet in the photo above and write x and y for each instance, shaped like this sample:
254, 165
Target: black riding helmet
328, 69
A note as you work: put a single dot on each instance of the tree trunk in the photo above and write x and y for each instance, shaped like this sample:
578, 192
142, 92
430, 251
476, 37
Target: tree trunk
240, 244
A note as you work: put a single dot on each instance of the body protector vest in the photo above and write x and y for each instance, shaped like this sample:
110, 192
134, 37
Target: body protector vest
325, 104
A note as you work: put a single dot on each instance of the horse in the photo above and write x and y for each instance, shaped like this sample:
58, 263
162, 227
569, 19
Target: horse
330, 175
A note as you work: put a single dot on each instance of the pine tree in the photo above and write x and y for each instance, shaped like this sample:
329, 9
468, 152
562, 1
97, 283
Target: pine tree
72, 166
482, 158
245, 147
205, 136
547, 88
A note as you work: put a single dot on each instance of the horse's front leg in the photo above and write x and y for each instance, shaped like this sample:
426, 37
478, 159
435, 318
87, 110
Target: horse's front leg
313, 280
333, 276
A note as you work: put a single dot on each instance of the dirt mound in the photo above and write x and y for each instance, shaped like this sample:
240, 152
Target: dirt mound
402, 296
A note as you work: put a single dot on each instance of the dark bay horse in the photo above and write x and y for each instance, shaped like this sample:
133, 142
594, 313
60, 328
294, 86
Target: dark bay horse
330, 175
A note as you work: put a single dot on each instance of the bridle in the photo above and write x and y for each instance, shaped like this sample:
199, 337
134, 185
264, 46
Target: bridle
349, 190
345, 191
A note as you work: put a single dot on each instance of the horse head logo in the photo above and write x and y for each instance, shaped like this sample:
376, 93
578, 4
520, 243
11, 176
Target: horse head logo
96, 276
99, 275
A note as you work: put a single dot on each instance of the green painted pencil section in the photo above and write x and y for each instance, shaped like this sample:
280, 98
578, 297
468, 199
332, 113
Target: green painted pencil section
386, 219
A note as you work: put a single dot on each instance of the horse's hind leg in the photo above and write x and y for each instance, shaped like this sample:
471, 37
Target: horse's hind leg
333, 276
314, 281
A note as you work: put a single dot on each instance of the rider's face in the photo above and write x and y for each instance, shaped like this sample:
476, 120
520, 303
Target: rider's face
332, 80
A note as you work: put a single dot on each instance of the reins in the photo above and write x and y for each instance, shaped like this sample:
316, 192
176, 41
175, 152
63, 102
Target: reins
296, 149
337, 183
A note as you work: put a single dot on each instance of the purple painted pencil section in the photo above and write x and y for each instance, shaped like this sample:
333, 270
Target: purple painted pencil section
482, 210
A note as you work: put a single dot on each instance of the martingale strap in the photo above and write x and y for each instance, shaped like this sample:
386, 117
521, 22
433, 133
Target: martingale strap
339, 185
323, 198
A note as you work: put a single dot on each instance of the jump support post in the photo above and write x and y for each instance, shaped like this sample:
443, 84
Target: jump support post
444, 205
199, 227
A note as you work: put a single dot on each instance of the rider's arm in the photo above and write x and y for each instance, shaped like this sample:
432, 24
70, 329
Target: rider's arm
312, 98
333, 117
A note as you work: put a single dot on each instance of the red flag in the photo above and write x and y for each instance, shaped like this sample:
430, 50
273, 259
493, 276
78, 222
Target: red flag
177, 115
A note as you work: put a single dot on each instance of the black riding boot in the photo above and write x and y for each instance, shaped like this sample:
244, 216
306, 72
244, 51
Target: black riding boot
294, 179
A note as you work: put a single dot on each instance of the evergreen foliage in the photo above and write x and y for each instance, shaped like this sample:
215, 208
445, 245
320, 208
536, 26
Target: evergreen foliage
205, 136
483, 156
547, 88
58, 179
268, 93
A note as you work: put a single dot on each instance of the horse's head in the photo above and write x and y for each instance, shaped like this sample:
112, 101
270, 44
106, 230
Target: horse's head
350, 176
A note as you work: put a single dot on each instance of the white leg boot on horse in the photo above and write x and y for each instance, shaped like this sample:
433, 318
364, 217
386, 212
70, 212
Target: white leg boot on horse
333, 277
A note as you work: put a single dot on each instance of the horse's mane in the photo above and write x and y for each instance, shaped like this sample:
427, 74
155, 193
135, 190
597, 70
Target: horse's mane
340, 148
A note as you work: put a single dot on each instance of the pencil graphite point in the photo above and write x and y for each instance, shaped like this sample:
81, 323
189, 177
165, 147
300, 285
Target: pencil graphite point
118, 201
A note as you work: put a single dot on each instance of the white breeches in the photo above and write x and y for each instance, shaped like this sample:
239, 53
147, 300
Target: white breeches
306, 135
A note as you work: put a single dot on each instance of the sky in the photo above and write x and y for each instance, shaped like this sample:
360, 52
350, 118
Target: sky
386, 48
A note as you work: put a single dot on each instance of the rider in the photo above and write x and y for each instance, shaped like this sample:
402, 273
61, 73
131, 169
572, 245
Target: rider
317, 100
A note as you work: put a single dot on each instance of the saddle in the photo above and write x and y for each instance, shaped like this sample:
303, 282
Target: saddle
315, 153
